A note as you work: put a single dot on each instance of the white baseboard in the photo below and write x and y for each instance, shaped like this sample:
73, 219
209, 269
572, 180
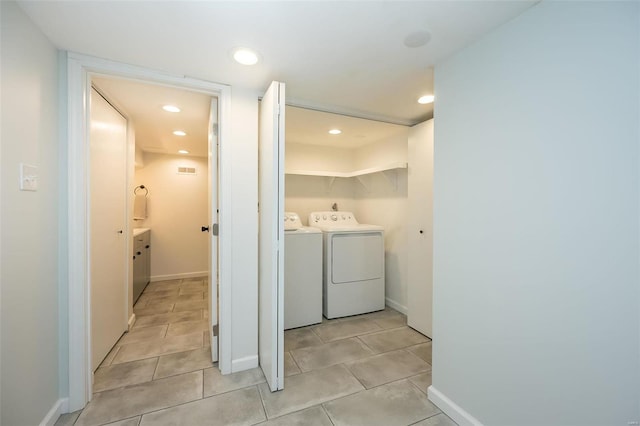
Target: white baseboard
155, 278
451, 409
132, 321
61, 406
246, 363
395, 305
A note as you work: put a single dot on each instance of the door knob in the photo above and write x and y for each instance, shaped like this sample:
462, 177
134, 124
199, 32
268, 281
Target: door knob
205, 229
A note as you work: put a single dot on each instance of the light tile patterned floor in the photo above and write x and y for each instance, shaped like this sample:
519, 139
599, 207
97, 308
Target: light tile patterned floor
364, 370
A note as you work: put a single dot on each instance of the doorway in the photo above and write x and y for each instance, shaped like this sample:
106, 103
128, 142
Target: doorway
80, 71
174, 195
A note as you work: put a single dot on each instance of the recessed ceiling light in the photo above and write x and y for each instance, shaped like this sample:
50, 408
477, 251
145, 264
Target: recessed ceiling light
183, 151
179, 133
427, 99
245, 56
335, 131
171, 108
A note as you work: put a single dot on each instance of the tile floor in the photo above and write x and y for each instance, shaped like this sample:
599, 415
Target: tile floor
365, 370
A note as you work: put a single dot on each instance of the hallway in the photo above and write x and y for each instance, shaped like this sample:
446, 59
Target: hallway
364, 370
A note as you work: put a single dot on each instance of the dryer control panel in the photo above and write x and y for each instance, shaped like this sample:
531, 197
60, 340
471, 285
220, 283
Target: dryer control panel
331, 217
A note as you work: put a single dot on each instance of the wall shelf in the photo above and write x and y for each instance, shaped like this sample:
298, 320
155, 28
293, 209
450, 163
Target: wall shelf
389, 170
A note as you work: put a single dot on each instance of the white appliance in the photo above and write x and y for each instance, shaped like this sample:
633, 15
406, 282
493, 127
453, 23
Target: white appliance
302, 273
353, 259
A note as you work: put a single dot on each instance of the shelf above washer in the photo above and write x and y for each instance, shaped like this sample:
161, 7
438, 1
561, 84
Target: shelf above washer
392, 167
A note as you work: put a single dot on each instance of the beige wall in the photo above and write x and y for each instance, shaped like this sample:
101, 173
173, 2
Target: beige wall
381, 202
176, 208
29, 222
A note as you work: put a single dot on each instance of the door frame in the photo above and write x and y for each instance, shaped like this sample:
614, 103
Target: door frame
79, 69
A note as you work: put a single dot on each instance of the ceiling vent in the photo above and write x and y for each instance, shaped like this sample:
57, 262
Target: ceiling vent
186, 170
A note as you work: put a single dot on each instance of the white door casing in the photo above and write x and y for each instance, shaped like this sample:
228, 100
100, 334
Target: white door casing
420, 238
271, 236
108, 215
75, 246
213, 222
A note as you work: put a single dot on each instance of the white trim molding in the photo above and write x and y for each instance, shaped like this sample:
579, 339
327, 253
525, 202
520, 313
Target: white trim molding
59, 407
156, 278
80, 68
395, 305
246, 363
451, 409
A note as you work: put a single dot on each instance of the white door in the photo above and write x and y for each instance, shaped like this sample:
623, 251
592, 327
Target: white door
213, 227
271, 236
420, 239
108, 282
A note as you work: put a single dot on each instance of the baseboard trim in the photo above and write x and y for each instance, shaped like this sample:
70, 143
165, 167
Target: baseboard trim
178, 276
61, 406
451, 409
246, 363
395, 305
132, 321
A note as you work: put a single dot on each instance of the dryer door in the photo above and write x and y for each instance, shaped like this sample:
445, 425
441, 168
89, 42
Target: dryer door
356, 257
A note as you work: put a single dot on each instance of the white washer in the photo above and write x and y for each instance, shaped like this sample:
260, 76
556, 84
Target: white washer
353, 259
302, 273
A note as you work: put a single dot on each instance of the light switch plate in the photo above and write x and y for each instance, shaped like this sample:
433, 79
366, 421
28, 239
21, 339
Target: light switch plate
28, 177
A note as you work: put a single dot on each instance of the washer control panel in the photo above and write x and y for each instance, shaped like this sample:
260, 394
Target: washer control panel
292, 221
331, 217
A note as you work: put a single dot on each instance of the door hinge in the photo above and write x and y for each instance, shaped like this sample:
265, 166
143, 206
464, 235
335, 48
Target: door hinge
215, 229
215, 330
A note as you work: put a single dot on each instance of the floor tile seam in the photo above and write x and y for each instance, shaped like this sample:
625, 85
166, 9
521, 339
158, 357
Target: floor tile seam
386, 351
122, 363
294, 361
155, 370
428, 417
264, 408
371, 355
327, 414
367, 346
406, 349
164, 408
364, 388
365, 333
414, 376
160, 355
384, 330
236, 389
331, 419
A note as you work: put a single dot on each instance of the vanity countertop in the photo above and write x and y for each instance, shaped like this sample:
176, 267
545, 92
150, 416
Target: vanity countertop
138, 231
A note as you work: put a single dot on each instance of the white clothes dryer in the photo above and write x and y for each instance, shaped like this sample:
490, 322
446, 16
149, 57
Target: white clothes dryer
302, 273
353, 264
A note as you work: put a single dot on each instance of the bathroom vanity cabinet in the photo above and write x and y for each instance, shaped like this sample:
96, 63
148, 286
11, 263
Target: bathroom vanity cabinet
141, 261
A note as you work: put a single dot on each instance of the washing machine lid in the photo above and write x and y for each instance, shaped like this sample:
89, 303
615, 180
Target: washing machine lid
303, 230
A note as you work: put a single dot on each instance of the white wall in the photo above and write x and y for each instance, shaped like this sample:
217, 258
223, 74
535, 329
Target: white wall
176, 209
384, 203
536, 260
29, 227
244, 194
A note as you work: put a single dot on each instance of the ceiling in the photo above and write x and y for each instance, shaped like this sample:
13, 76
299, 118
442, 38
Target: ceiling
341, 56
143, 102
154, 127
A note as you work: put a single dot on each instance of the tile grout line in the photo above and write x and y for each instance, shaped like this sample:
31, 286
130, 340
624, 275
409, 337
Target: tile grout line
264, 408
327, 413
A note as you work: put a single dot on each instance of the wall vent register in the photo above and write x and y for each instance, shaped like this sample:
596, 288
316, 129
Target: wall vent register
186, 170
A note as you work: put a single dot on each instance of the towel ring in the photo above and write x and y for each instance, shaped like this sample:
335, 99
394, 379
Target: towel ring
146, 190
